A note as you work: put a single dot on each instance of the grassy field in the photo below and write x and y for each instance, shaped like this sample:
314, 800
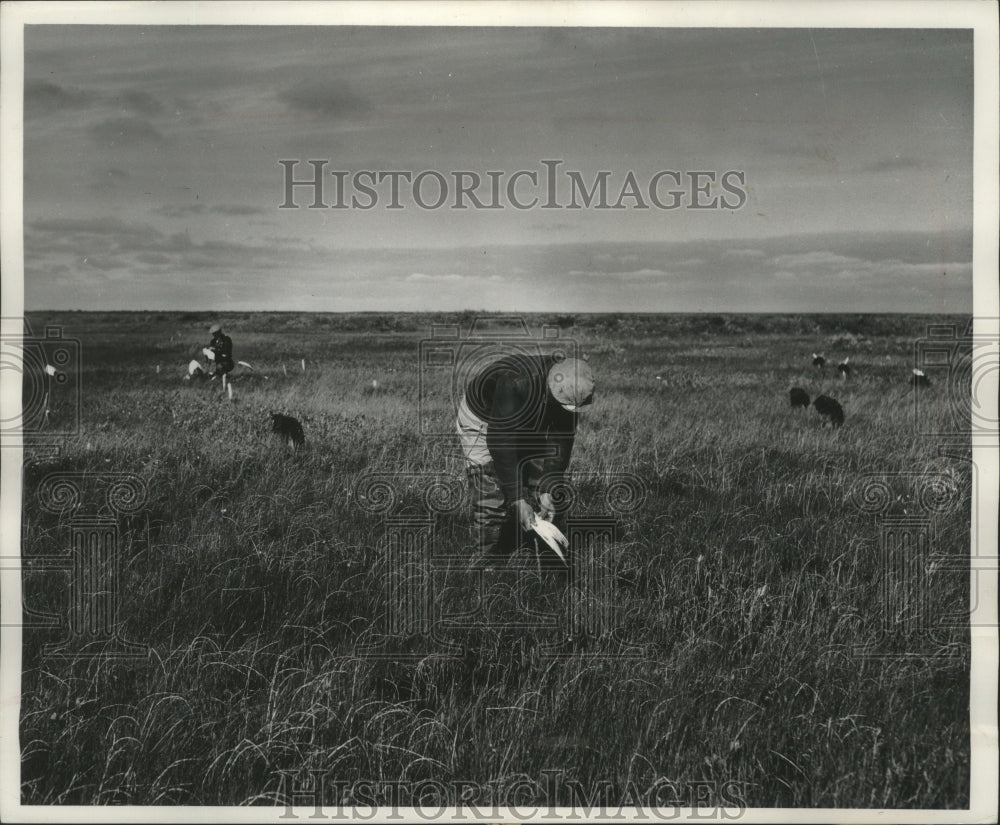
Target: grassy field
742, 584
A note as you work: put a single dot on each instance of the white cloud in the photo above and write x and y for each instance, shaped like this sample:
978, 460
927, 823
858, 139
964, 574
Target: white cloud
615, 258
420, 276
818, 258
452, 277
645, 272
884, 271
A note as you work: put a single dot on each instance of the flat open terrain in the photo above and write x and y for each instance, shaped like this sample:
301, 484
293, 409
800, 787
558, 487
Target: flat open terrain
742, 581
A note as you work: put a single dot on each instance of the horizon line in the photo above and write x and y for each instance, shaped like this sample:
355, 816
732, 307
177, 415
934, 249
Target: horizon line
497, 312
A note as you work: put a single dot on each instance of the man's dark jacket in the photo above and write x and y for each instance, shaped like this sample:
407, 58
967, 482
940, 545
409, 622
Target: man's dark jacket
222, 346
524, 422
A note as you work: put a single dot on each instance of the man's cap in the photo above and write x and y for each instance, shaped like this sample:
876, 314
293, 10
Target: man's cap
571, 383
214, 329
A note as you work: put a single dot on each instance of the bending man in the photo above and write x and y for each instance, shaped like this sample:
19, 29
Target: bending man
516, 424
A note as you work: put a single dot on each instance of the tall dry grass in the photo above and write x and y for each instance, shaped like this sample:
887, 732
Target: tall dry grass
744, 582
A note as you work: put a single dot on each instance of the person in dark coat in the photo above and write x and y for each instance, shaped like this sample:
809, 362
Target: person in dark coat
221, 347
516, 424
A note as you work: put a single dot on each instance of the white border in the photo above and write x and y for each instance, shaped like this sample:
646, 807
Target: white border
981, 16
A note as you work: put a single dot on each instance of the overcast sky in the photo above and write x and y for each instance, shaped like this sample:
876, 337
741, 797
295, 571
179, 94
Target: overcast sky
152, 178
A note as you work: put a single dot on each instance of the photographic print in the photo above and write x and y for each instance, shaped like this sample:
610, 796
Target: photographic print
457, 412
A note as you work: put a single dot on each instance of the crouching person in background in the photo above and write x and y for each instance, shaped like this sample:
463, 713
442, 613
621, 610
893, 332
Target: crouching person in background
516, 425
221, 347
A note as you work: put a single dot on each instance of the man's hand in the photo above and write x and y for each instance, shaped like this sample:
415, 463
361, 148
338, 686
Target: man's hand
525, 514
546, 509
